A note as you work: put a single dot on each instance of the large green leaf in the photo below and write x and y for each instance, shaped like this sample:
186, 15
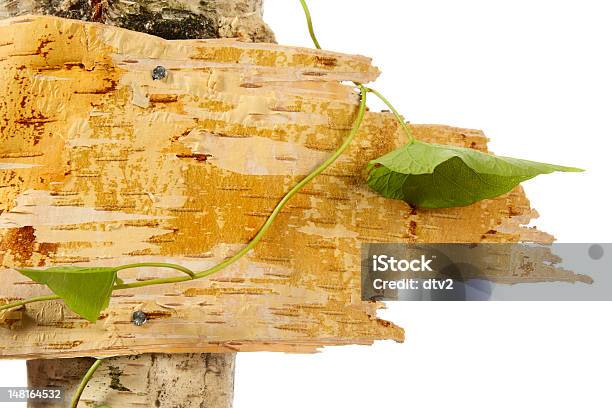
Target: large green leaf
86, 291
438, 176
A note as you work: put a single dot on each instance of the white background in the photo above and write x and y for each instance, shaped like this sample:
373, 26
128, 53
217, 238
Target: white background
535, 75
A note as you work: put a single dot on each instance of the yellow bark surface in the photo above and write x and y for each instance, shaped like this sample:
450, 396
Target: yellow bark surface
102, 165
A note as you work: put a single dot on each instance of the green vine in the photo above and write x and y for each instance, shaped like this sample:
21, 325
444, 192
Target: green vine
313, 36
191, 275
79, 392
398, 116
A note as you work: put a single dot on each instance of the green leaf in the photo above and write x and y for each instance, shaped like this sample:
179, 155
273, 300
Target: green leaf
438, 176
86, 291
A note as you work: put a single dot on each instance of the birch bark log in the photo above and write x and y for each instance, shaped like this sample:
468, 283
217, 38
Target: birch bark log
169, 19
150, 380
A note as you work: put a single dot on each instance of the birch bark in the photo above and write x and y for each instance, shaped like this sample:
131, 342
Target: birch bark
150, 380
169, 19
160, 380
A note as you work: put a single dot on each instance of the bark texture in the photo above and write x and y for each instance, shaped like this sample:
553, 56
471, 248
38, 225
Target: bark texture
169, 19
150, 380
178, 380
100, 164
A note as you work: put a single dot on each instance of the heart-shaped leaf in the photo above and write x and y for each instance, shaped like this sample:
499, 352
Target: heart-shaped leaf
86, 291
438, 176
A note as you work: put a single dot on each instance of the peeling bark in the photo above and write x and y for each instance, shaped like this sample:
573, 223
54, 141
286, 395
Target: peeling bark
150, 380
185, 170
169, 19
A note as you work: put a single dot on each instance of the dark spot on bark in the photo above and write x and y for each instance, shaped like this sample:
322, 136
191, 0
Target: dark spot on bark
33, 120
250, 85
313, 73
78, 10
71, 65
328, 62
115, 375
197, 156
413, 228
46, 249
384, 323
512, 212
110, 86
66, 345
20, 243
158, 98
43, 44
182, 26
98, 10
158, 315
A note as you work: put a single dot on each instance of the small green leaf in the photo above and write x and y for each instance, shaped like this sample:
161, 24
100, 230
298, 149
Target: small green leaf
437, 176
86, 291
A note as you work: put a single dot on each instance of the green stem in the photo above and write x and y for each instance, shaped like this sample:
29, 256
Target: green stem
153, 282
28, 301
310, 26
399, 117
77, 395
158, 265
187, 271
295, 190
275, 213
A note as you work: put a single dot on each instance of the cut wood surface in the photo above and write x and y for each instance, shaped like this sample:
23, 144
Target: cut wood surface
102, 165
